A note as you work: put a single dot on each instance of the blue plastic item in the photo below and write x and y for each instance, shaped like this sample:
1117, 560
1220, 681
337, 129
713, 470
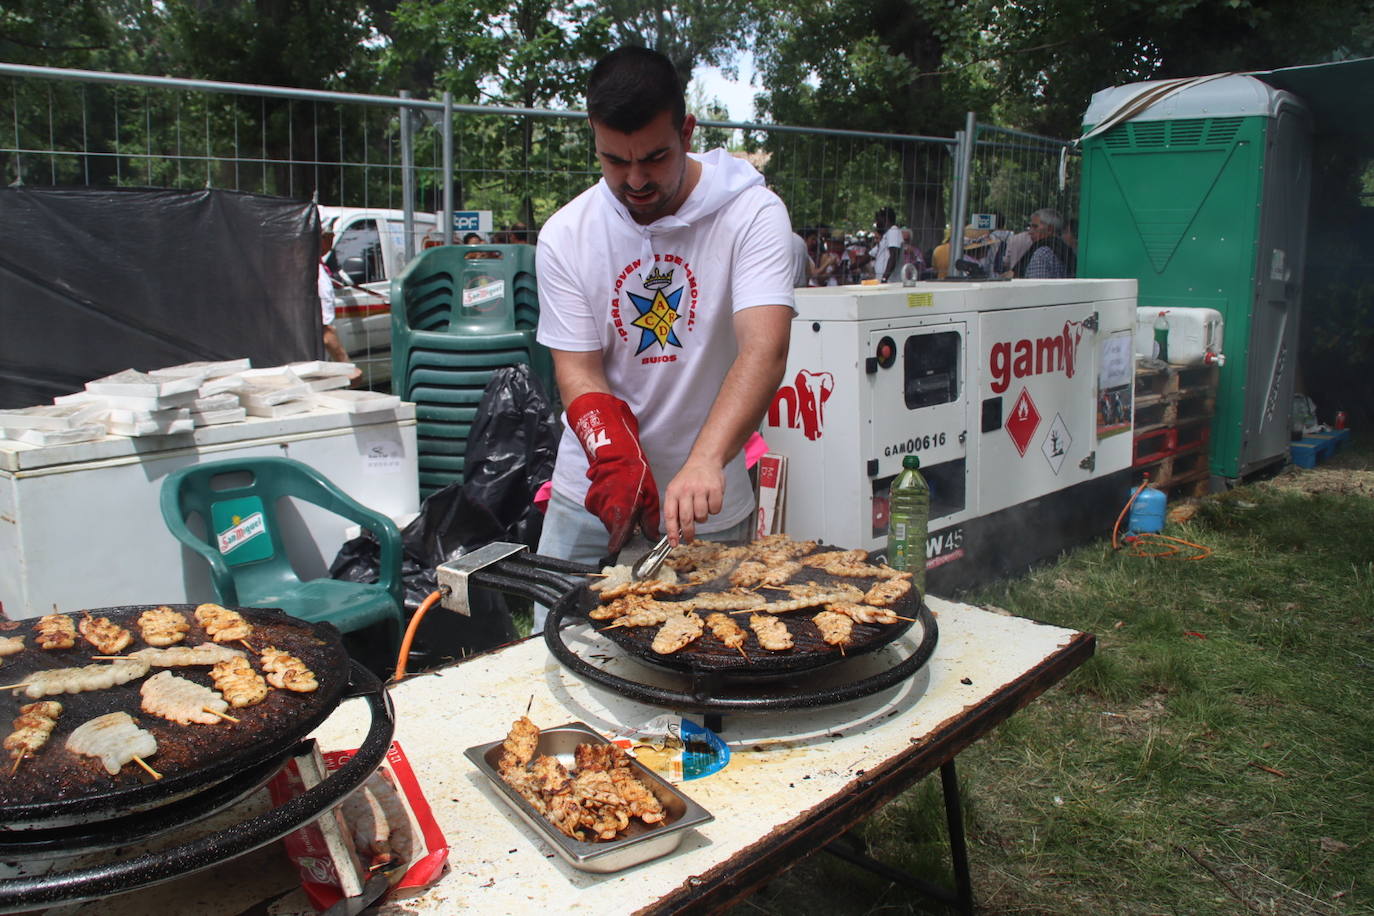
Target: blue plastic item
1147, 512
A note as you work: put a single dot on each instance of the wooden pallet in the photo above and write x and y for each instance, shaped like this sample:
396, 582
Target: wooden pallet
1176, 380
1183, 475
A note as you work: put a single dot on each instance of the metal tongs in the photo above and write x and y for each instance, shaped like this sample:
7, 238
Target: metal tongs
647, 566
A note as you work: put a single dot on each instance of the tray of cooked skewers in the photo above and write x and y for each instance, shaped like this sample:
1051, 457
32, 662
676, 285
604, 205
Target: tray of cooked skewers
774, 605
599, 808
121, 709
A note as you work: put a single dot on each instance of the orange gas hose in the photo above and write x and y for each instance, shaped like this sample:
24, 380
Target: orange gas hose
404, 655
1170, 544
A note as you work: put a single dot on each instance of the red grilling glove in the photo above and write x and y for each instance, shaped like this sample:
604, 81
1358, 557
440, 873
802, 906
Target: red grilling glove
623, 487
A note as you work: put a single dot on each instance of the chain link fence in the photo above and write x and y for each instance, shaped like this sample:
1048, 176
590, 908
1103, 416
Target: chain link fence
76, 128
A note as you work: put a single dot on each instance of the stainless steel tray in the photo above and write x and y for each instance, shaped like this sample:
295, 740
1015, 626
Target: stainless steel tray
640, 843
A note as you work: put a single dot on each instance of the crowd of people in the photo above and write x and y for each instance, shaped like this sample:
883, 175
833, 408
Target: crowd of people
1045, 249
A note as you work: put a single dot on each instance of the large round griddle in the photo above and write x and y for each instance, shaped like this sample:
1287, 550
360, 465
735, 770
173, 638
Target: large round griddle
707, 654
57, 787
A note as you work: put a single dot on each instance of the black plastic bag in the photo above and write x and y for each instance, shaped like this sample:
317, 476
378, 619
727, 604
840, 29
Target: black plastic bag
510, 455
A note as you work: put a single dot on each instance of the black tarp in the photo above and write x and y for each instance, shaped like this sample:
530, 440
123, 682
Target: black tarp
93, 281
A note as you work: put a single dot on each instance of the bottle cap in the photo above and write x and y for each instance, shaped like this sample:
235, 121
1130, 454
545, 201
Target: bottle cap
911, 462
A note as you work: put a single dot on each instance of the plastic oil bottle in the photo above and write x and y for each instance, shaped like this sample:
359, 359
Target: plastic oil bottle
1161, 329
908, 516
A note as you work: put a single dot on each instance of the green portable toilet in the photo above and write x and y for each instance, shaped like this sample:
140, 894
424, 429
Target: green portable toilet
1202, 197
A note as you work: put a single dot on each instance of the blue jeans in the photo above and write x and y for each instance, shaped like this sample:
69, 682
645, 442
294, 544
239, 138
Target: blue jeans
572, 533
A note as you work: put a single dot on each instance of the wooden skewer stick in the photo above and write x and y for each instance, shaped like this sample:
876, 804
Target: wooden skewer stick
150, 771
597, 575
109, 658
249, 646
15, 686
907, 619
221, 715
18, 760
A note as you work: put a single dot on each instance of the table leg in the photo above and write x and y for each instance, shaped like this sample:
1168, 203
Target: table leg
961, 898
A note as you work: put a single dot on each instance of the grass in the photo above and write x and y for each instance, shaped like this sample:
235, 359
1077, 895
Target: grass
1216, 756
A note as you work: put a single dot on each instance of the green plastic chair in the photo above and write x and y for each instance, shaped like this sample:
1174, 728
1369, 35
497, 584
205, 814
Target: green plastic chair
243, 545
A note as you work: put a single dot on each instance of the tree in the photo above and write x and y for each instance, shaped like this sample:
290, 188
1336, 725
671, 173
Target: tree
690, 33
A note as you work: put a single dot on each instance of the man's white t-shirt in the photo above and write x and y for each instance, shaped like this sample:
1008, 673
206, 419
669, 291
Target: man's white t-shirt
882, 251
658, 302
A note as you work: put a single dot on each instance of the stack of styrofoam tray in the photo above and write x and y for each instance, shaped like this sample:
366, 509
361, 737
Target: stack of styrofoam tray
57, 424
274, 392
217, 408
357, 401
150, 422
134, 384
204, 370
328, 382
319, 368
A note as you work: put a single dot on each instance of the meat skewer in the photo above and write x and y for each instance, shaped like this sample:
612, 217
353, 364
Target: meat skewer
727, 631
55, 631
888, 592
11, 645
222, 624
771, 632
238, 682
207, 653
179, 700
679, 631
116, 739
40, 684
286, 672
32, 729
107, 636
163, 626
836, 628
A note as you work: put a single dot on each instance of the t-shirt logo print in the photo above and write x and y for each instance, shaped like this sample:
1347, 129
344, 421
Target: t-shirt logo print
657, 315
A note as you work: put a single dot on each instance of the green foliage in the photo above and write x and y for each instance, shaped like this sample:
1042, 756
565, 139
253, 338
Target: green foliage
690, 33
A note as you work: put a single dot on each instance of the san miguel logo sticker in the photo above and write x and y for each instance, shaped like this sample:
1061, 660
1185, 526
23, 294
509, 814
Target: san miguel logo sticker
244, 530
667, 304
804, 401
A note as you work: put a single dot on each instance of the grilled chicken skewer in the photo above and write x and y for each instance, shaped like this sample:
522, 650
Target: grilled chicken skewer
727, 631
286, 672
240, 684
11, 645
107, 636
116, 739
222, 624
179, 700
78, 680
32, 729
163, 626
56, 631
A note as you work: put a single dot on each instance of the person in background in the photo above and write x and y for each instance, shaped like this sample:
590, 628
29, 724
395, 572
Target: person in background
324, 285
887, 250
472, 238
912, 256
802, 264
667, 303
1010, 252
939, 258
827, 269
1048, 258
519, 234
1069, 235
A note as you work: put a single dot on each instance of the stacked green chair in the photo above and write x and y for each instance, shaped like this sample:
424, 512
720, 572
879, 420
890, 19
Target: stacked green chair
459, 313
237, 503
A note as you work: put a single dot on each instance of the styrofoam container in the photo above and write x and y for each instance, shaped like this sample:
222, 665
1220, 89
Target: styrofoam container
1193, 333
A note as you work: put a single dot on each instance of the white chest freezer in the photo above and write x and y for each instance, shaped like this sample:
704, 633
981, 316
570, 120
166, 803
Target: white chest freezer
80, 525
1016, 396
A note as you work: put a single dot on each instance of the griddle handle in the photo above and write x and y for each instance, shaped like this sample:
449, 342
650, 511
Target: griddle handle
32, 892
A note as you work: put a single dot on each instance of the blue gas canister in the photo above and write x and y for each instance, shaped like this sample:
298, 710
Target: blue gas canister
1148, 511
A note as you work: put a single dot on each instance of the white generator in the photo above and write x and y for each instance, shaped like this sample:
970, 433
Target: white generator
1015, 394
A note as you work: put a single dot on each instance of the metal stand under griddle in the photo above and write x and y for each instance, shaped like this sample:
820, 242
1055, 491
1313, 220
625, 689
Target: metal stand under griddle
96, 882
961, 898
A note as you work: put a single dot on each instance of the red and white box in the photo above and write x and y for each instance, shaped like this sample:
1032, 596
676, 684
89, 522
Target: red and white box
333, 853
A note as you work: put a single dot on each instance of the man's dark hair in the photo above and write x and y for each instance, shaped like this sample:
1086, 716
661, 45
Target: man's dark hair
889, 215
630, 86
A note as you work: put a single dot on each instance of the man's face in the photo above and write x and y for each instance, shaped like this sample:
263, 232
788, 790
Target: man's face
646, 169
1038, 230
880, 222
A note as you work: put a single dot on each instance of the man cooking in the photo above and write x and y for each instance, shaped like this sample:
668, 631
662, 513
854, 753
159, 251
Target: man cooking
665, 295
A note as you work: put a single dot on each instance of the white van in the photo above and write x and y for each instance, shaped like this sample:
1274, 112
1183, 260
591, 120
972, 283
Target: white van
368, 250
